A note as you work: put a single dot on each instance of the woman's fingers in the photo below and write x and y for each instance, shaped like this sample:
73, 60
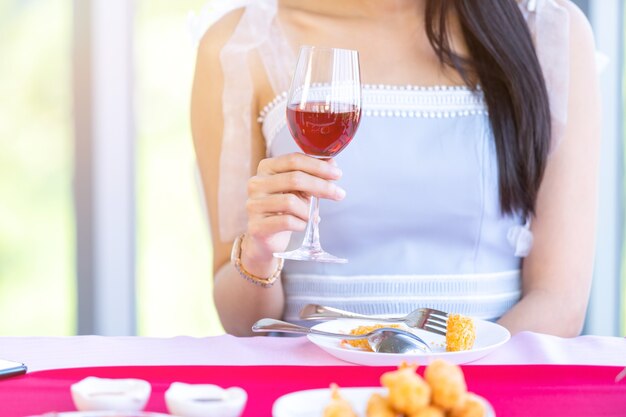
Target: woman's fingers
278, 196
279, 204
326, 169
289, 182
296, 173
270, 225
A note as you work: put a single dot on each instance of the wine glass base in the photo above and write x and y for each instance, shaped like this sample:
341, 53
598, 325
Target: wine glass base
310, 255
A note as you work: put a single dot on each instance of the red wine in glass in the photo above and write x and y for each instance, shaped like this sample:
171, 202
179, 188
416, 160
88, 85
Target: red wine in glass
322, 130
323, 114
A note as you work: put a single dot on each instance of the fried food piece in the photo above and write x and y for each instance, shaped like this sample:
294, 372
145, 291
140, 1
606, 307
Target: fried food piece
338, 406
363, 344
429, 411
408, 392
460, 333
447, 383
471, 406
378, 406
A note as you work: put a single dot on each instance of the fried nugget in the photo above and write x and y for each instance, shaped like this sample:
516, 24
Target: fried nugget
408, 392
378, 406
460, 333
338, 406
447, 383
429, 411
471, 406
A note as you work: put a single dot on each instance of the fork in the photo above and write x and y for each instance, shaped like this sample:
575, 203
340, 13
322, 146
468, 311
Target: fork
427, 319
385, 340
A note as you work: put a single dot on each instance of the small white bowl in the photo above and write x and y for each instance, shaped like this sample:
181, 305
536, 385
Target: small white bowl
204, 400
94, 394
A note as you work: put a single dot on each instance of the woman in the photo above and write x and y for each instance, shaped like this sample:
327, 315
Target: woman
469, 187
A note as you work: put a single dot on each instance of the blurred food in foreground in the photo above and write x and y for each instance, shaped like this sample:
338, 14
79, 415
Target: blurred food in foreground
338, 406
441, 393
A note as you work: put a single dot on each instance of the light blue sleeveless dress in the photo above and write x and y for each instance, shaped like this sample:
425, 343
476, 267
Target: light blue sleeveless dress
421, 224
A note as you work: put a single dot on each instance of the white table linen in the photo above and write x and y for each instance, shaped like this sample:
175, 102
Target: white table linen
40, 353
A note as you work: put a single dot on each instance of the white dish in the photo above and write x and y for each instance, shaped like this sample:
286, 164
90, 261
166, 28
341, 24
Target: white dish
311, 403
204, 400
94, 394
489, 336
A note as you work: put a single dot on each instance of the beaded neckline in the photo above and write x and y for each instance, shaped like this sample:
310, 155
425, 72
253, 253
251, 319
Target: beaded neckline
413, 87
402, 101
414, 100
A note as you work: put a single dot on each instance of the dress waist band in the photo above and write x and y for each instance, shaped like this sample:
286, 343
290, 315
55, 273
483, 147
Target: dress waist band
483, 295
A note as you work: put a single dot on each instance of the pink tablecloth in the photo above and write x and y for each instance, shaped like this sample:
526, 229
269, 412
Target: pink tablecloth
514, 391
84, 351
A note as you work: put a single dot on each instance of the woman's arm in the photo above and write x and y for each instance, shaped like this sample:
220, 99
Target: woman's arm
276, 205
557, 274
234, 297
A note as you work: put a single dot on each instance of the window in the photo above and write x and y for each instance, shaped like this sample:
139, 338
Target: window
623, 162
37, 278
603, 316
173, 248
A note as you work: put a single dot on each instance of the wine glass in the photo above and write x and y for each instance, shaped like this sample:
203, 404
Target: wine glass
323, 114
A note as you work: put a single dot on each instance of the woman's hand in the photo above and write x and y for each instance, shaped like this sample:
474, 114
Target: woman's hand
278, 200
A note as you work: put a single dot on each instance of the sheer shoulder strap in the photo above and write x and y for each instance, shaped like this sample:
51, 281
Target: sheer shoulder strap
257, 30
550, 26
278, 59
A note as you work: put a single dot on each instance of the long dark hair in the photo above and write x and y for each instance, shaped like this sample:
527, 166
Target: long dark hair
503, 61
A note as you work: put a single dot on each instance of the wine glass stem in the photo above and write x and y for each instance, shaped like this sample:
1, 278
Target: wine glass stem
312, 234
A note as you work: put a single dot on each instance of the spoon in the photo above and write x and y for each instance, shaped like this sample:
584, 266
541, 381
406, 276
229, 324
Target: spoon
383, 340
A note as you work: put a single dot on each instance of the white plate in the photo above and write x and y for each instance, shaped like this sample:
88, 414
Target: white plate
489, 336
311, 403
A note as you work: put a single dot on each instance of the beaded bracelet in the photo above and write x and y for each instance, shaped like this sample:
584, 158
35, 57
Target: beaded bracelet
235, 259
